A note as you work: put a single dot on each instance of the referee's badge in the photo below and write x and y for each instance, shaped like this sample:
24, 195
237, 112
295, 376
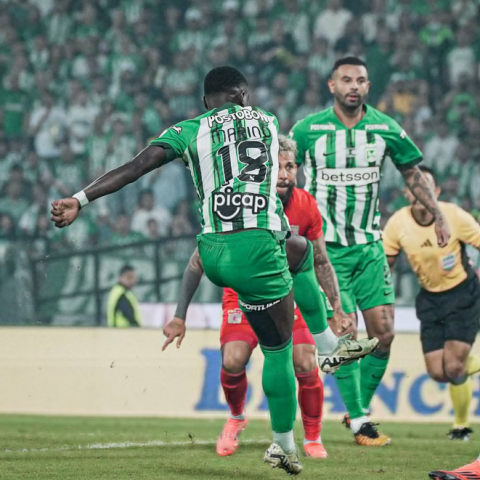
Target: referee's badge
235, 316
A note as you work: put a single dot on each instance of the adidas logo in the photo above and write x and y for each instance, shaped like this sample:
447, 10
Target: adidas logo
428, 243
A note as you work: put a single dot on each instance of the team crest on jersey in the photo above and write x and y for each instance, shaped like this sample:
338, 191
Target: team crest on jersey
228, 204
377, 126
235, 316
294, 229
371, 152
328, 126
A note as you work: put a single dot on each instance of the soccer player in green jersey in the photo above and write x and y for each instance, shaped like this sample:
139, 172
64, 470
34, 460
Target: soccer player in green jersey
343, 149
232, 154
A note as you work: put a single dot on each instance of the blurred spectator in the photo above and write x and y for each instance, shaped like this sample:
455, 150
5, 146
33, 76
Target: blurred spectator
13, 103
461, 59
182, 220
7, 227
80, 117
122, 232
332, 21
17, 176
12, 202
146, 210
47, 126
440, 149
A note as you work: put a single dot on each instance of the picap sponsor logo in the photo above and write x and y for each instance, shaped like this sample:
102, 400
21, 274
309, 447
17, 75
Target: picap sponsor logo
348, 176
228, 204
244, 114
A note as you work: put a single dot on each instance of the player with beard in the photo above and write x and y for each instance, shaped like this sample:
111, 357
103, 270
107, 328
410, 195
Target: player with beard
343, 149
238, 340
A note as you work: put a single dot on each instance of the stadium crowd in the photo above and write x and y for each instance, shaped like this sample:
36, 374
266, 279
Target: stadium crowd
85, 84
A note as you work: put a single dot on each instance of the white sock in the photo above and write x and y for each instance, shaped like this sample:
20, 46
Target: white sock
318, 440
242, 416
356, 423
285, 440
326, 341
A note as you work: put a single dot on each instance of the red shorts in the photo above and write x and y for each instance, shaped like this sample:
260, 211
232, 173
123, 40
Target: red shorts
235, 327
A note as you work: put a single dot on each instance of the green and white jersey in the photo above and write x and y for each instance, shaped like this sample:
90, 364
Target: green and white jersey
343, 169
232, 154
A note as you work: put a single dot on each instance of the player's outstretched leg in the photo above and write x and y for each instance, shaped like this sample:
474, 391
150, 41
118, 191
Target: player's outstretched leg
468, 472
233, 377
273, 327
333, 351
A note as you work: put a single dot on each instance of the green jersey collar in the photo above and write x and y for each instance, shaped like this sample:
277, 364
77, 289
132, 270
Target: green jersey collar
336, 121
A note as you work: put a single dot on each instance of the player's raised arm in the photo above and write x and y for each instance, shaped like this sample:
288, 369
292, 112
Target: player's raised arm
65, 211
423, 192
191, 279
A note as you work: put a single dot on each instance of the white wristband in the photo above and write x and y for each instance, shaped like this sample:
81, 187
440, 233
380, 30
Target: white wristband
82, 198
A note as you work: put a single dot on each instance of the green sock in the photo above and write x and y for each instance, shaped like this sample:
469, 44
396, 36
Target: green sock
308, 296
372, 369
278, 382
348, 382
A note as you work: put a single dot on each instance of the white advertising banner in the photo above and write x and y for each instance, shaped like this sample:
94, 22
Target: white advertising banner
97, 371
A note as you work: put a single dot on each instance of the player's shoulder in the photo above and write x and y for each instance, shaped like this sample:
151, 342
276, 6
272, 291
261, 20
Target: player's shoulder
315, 121
302, 195
453, 212
400, 217
301, 198
380, 122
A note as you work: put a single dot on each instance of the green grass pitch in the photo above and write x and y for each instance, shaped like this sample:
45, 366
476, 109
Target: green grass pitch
64, 448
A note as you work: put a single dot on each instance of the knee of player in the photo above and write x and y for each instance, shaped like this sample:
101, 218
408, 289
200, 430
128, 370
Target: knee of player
385, 340
304, 363
456, 372
234, 361
438, 376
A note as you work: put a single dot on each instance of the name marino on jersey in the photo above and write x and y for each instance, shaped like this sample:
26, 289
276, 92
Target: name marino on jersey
232, 154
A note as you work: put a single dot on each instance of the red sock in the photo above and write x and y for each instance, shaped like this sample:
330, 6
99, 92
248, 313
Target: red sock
235, 390
310, 398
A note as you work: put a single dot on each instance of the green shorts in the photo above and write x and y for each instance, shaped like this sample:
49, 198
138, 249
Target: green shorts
251, 262
363, 275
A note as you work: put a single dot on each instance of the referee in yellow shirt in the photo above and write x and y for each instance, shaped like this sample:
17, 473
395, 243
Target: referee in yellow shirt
448, 305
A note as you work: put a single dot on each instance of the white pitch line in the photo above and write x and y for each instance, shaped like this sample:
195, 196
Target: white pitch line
107, 446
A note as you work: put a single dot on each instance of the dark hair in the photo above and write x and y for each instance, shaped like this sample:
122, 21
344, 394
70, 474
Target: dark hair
222, 80
125, 269
348, 61
425, 169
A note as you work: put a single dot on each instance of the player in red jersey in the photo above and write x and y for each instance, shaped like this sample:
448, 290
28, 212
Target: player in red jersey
238, 339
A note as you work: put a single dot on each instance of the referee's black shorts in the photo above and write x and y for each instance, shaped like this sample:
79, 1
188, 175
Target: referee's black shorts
450, 315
